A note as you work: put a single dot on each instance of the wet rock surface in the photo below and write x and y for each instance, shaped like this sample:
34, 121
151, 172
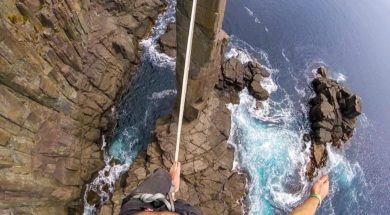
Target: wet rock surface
63, 64
167, 41
333, 117
236, 75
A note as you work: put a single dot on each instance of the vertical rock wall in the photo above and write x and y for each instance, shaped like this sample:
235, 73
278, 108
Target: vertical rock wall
207, 51
62, 66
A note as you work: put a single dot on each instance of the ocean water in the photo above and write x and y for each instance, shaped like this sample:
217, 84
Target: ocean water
150, 95
292, 38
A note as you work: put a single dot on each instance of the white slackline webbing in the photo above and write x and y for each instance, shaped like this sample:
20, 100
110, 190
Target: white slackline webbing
185, 77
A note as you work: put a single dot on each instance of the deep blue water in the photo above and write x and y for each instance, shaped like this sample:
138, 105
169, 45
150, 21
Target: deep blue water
291, 38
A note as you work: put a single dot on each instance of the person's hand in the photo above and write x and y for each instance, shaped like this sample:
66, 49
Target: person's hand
321, 187
175, 175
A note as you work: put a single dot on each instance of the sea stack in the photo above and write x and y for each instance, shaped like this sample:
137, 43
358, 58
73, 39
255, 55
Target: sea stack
333, 115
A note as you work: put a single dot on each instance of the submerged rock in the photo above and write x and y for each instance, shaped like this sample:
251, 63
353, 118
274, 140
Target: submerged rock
333, 117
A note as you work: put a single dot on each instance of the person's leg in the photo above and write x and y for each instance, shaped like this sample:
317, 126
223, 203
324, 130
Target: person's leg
157, 182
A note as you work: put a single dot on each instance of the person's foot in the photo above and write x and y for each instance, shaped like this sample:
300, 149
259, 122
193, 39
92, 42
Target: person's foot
175, 175
321, 187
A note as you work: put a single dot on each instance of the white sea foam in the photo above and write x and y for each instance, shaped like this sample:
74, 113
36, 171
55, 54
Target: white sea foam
104, 183
150, 44
340, 77
241, 55
284, 55
250, 12
263, 146
162, 94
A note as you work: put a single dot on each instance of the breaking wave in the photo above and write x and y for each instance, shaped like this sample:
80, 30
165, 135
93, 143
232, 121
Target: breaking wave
270, 148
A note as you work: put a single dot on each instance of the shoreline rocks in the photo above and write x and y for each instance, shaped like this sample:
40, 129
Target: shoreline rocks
333, 115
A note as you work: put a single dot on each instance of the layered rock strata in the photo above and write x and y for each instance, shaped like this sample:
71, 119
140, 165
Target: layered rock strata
333, 115
207, 51
63, 64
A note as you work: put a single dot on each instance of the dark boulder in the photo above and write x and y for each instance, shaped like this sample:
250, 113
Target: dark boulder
233, 70
257, 78
321, 111
353, 107
322, 124
306, 137
322, 135
258, 91
256, 68
322, 72
237, 76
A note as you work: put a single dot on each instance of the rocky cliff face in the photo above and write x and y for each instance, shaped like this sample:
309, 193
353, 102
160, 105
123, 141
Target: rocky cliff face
62, 67
207, 51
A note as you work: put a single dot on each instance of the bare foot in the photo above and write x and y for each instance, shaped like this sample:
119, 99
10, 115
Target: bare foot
175, 175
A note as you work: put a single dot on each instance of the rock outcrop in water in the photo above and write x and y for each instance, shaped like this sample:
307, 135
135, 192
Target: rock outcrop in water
62, 66
238, 76
333, 116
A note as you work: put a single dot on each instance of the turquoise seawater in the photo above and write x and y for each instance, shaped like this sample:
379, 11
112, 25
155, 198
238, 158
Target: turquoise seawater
268, 137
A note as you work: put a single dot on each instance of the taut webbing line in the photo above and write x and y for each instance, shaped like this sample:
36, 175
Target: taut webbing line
185, 78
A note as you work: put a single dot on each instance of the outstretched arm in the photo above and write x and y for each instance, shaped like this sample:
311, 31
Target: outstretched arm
319, 191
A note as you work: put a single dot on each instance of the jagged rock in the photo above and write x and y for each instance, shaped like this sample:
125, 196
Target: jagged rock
258, 91
322, 72
306, 137
322, 135
323, 124
318, 152
168, 41
353, 107
322, 111
333, 116
256, 68
235, 74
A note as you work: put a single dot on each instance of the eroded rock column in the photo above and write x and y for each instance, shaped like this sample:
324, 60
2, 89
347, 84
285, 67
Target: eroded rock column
207, 51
